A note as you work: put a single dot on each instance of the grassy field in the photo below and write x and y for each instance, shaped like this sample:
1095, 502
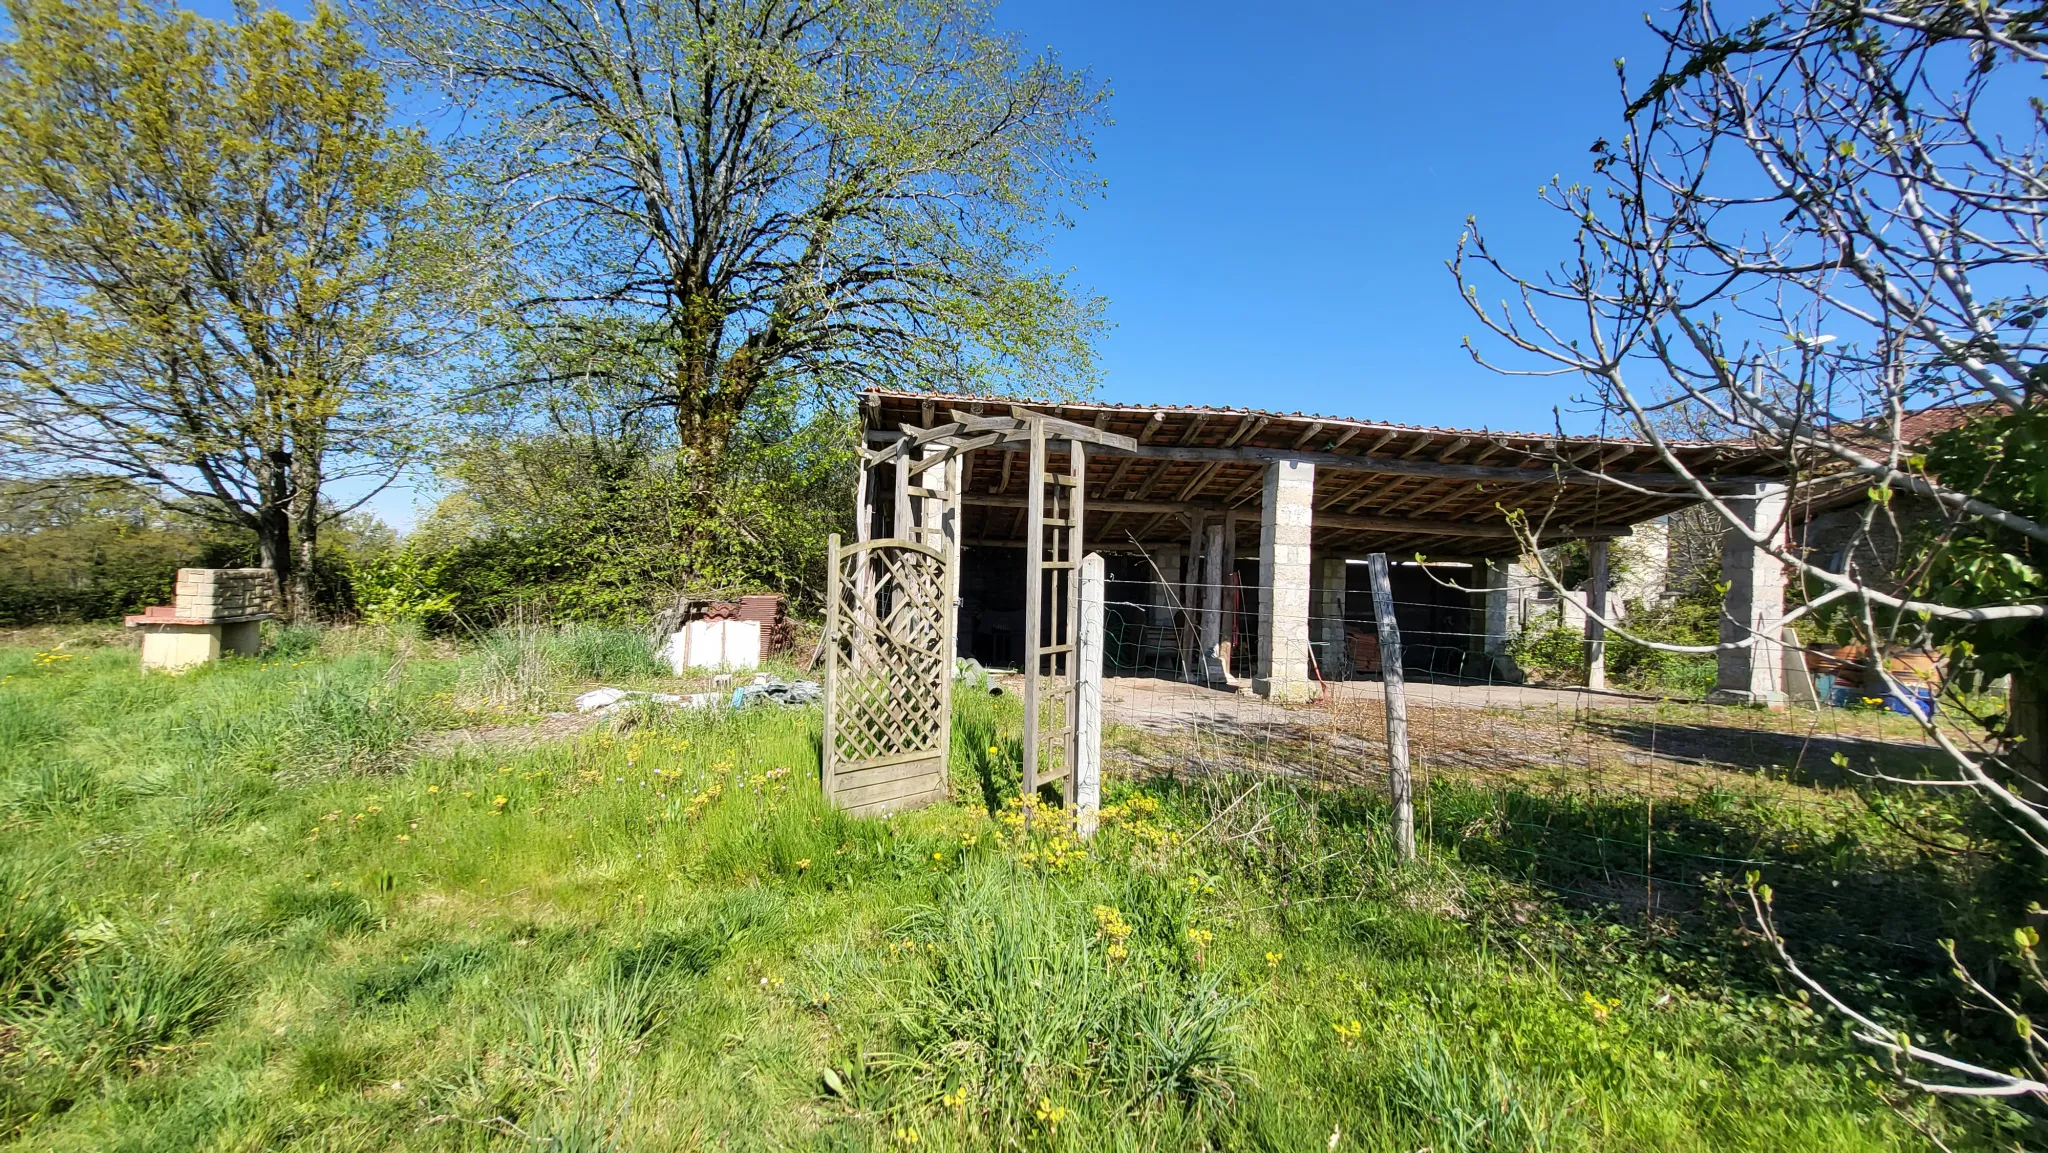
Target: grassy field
364, 894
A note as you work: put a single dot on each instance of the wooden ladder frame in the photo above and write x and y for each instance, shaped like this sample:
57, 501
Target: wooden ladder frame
929, 515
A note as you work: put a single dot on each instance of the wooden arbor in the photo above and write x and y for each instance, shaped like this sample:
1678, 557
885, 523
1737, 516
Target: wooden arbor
926, 518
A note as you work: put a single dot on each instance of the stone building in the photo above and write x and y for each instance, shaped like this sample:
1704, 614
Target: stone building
1235, 538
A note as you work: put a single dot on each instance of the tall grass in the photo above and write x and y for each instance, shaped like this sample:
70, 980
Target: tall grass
275, 920
523, 664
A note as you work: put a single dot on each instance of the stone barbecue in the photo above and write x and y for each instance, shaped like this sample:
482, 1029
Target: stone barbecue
213, 610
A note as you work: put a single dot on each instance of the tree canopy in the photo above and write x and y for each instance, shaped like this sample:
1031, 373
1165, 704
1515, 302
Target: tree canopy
712, 198
218, 275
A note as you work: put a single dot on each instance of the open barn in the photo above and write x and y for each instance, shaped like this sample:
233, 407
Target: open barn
1235, 538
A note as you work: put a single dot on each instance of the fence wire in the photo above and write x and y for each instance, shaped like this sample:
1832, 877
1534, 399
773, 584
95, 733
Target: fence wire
1635, 800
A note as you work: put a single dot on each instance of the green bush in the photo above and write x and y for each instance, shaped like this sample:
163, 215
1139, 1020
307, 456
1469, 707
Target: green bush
1547, 650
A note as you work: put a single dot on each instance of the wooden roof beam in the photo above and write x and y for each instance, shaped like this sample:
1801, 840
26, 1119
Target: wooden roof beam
1201, 478
1152, 426
1484, 529
1400, 466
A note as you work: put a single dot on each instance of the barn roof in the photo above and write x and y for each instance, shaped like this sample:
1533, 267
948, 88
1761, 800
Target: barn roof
1379, 486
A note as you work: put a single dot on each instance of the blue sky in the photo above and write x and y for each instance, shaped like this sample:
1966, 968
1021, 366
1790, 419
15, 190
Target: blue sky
1285, 187
1286, 180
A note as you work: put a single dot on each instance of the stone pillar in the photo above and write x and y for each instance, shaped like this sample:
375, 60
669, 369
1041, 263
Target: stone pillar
1753, 607
1285, 523
1163, 587
1211, 588
1596, 608
1329, 622
1521, 584
1497, 598
1649, 569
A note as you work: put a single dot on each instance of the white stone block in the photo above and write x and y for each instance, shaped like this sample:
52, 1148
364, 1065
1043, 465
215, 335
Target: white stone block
714, 645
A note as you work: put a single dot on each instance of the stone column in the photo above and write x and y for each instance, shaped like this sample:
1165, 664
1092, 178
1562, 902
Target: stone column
1163, 587
1754, 607
1596, 607
1497, 596
1521, 583
1329, 622
1285, 523
1211, 590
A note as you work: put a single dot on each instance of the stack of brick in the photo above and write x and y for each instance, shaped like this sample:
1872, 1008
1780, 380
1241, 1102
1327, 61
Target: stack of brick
225, 594
214, 609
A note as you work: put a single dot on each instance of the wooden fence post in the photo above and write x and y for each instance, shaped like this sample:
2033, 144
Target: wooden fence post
1087, 755
1397, 706
830, 643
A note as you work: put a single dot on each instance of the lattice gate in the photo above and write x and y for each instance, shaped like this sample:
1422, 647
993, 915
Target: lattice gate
888, 675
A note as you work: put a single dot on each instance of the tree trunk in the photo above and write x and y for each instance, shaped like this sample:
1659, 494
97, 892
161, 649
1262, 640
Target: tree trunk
304, 595
274, 519
306, 484
2023, 736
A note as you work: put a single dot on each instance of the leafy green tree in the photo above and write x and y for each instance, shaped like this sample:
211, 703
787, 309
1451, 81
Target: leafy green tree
590, 516
2003, 457
222, 279
74, 552
720, 199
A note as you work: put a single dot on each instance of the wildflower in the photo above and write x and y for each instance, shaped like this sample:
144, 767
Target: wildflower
993, 752
1200, 937
1272, 960
402, 837
1050, 1114
803, 864
433, 788
1348, 1032
907, 1134
466, 794
1599, 1010
499, 800
954, 1098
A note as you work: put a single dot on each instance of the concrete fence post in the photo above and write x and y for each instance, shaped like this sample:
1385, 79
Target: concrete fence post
1088, 698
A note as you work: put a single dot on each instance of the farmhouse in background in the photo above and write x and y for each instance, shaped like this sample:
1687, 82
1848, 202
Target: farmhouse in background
1235, 538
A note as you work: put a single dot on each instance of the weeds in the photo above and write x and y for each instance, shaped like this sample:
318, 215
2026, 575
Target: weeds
236, 937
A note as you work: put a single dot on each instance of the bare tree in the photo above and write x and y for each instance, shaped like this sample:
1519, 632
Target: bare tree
1813, 227
715, 197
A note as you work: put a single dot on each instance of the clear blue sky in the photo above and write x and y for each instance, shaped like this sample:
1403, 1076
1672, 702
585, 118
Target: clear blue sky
1286, 180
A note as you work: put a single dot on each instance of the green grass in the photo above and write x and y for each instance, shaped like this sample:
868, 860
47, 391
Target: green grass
256, 907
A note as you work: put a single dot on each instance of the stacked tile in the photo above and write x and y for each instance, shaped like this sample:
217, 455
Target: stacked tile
778, 632
225, 594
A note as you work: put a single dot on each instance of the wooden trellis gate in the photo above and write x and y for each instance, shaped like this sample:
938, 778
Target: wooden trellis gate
889, 639
888, 674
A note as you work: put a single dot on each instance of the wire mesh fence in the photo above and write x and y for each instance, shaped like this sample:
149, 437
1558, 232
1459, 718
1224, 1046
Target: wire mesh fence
1641, 802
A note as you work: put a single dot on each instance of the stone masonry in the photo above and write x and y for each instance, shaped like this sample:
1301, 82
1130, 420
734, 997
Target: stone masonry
1285, 524
213, 610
